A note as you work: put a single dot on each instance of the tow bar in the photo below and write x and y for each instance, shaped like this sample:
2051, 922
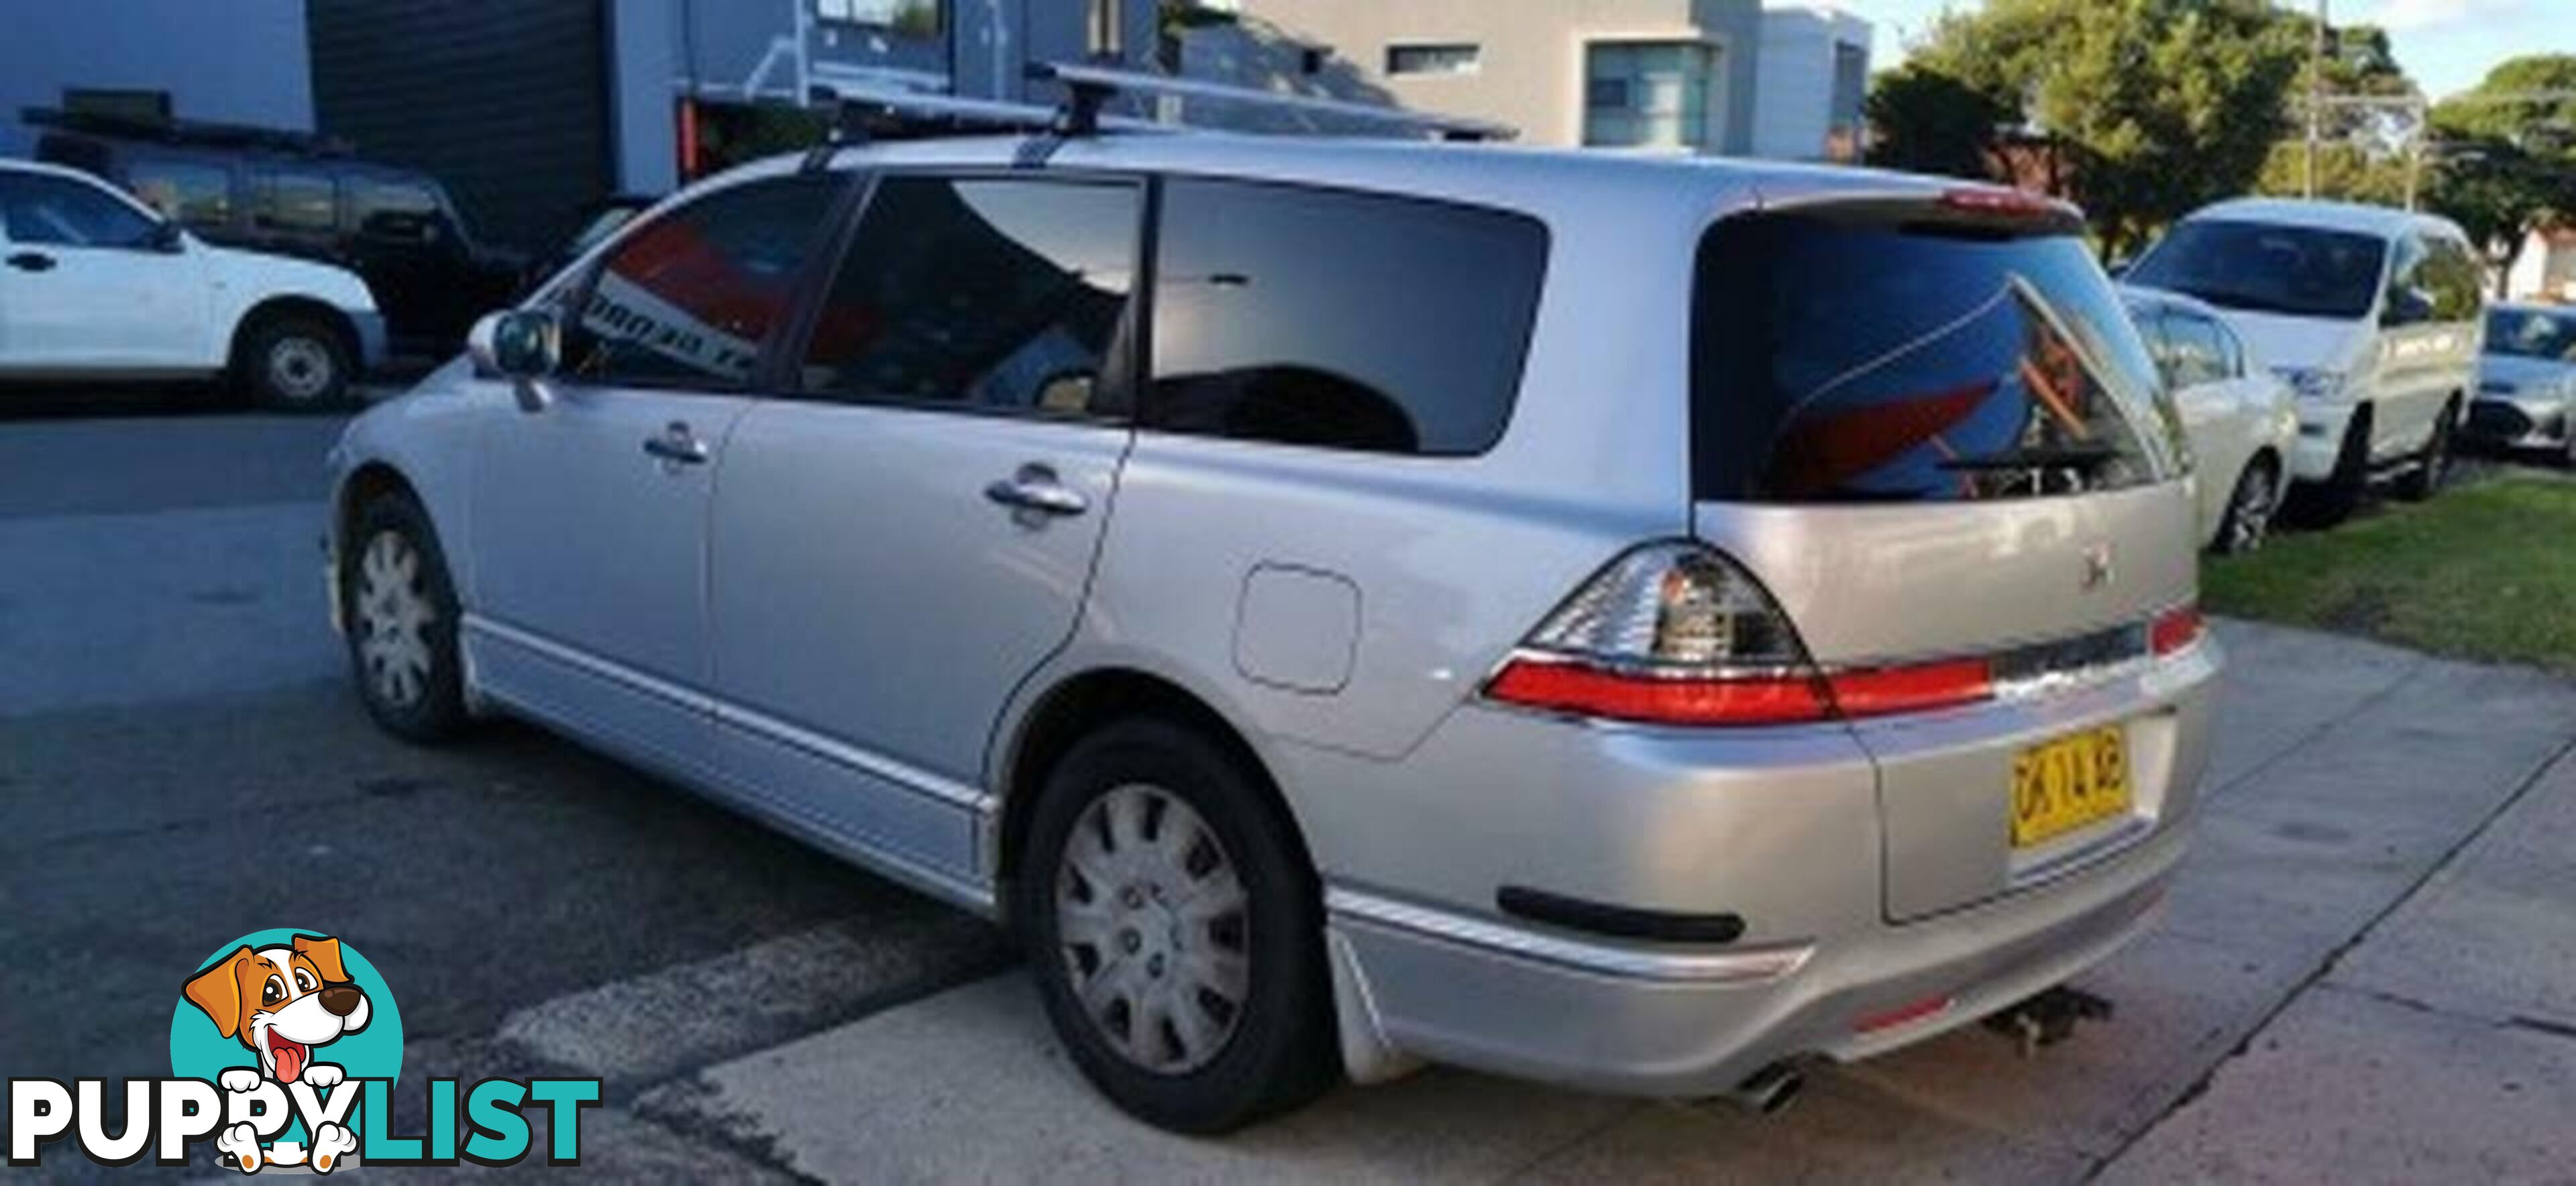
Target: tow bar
2049, 1018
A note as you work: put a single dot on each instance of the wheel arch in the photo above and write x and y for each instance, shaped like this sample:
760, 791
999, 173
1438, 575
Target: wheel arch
269, 309
371, 480
1082, 703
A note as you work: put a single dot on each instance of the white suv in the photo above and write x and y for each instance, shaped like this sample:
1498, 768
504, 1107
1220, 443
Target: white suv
2371, 314
94, 285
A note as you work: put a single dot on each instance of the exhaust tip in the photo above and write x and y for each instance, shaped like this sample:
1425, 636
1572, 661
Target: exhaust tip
1769, 1091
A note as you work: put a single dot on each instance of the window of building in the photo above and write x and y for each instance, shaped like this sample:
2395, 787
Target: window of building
189, 192
1460, 58
911, 18
1348, 321
58, 211
1649, 94
295, 201
996, 295
687, 300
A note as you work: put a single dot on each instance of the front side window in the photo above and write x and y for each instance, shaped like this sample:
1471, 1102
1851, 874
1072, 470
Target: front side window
999, 295
688, 299
2260, 267
1858, 359
2198, 354
2452, 277
295, 201
196, 194
61, 212
1341, 320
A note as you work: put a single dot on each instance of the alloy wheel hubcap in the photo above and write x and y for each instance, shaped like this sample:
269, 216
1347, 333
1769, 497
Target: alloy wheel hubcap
300, 368
1154, 928
393, 618
2253, 517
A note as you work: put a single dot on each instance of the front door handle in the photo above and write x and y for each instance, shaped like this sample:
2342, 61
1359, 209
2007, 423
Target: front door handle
1035, 489
676, 445
32, 261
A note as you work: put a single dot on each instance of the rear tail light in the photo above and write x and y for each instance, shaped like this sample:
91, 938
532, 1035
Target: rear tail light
2176, 629
1677, 634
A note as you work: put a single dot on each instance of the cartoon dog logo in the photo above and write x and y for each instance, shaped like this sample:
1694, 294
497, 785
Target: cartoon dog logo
283, 1001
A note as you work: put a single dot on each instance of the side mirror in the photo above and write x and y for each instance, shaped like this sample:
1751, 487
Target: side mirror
522, 345
2407, 306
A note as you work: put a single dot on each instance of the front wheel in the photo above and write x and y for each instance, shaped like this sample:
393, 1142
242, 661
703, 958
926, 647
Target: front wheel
400, 614
2434, 461
1176, 931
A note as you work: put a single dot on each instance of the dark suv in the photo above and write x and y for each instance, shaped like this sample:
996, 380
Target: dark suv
301, 195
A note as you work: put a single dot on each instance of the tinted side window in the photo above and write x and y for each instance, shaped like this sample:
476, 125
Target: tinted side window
995, 294
295, 201
61, 212
2409, 301
395, 210
1343, 320
688, 298
185, 191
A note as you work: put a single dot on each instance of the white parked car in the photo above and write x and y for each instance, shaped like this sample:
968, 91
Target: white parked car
2241, 422
2371, 314
94, 285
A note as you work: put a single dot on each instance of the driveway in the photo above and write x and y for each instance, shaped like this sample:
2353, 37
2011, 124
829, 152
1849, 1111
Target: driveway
2367, 973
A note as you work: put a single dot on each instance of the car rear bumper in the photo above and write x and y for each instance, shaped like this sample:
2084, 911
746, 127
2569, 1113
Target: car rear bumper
1825, 966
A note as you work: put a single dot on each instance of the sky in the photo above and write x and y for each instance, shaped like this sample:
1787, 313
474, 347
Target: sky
2447, 45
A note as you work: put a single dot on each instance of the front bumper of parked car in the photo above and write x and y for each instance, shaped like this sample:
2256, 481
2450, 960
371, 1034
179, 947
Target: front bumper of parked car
2517, 423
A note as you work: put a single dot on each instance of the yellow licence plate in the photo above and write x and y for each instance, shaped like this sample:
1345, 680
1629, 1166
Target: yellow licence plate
2061, 785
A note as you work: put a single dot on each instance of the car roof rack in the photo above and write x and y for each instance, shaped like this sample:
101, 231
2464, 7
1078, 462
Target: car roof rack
186, 132
1088, 88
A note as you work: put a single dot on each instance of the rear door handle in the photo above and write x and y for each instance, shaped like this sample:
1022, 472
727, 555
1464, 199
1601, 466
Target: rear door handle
32, 261
676, 445
1036, 489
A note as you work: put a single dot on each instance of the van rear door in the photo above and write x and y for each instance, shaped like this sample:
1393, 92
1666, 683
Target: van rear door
1928, 426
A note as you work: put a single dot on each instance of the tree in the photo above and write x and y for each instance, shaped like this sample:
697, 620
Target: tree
1924, 121
2509, 154
2156, 107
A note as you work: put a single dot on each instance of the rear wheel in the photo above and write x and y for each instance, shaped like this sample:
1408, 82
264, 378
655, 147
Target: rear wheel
1175, 931
295, 362
2248, 521
2433, 461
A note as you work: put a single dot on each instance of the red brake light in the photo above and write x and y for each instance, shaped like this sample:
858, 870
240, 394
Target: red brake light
1662, 700
2176, 629
1921, 687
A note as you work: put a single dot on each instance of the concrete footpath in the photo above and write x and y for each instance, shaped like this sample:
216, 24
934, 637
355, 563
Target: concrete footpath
2367, 973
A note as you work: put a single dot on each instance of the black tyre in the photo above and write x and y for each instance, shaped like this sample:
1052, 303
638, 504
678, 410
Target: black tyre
1176, 931
399, 614
2327, 503
2248, 520
2434, 462
295, 362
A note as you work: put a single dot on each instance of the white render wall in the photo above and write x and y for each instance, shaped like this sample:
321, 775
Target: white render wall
1793, 94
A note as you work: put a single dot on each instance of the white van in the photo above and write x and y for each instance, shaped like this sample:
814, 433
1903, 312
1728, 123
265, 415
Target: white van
2371, 314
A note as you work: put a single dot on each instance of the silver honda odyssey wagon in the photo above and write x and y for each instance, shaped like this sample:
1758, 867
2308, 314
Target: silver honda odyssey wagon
1632, 623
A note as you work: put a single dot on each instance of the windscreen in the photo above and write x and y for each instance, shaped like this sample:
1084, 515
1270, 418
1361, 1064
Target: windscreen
2532, 333
2264, 268
1844, 359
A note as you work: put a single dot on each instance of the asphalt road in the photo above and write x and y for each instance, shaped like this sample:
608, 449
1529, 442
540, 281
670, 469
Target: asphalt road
181, 762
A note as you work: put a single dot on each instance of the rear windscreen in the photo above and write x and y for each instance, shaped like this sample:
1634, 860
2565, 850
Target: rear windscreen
1847, 359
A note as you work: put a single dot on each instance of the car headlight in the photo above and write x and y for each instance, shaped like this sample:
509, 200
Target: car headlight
2311, 383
